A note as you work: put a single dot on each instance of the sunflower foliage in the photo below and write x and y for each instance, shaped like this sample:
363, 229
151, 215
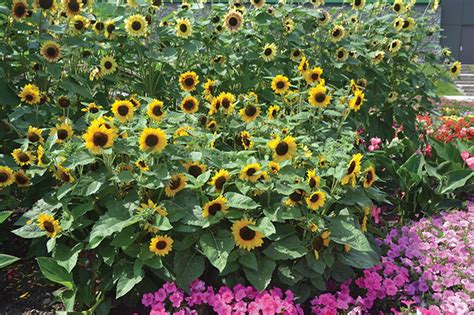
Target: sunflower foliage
208, 141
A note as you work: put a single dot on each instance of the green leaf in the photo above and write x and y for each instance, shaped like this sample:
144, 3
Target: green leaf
6, 260
106, 226
188, 266
344, 232
129, 278
67, 257
217, 248
29, 231
249, 260
358, 259
54, 272
287, 248
4, 215
317, 265
288, 276
88, 185
238, 201
261, 277
456, 179
265, 226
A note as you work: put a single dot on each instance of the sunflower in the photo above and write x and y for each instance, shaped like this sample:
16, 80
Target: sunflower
108, 65
296, 54
316, 3
183, 28
324, 18
398, 24
161, 245
283, 149
175, 185
295, 198
318, 96
142, 165
233, 20
358, 4
251, 172
227, 100
63, 132
40, 153
337, 33
394, 46
64, 174
246, 140
211, 208
211, 125
245, 237
71, 7
34, 135
353, 170
369, 178
378, 57
313, 179
136, 25
258, 3
21, 179
409, 24
341, 54
64, 102
6, 176
392, 96
289, 25
47, 223
269, 52
274, 167
249, 113
92, 108
155, 110
78, 23
98, 27
195, 168
291, 97
30, 94
98, 138
209, 89
19, 9
109, 28
23, 157
123, 110
50, 51
219, 179
151, 208
455, 69
280, 84
316, 200
188, 81
398, 6
273, 111
45, 5
356, 102
153, 140
190, 104
313, 75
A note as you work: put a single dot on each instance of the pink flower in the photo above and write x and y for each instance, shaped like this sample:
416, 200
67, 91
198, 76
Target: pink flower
376, 214
470, 162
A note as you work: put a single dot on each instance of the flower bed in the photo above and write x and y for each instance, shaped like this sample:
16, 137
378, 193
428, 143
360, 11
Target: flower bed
428, 267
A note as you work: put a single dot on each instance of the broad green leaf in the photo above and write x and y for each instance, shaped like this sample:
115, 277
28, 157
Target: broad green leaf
128, 280
345, 232
287, 248
249, 260
358, 259
238, 201
188, 266
262, 277
4, 215
266, 227
54, 272
106, 226
67, 257
217, 248
29, 231
317, 265
456, 179
6, 260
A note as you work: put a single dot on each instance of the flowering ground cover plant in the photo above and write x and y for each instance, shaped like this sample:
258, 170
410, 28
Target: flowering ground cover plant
154, 148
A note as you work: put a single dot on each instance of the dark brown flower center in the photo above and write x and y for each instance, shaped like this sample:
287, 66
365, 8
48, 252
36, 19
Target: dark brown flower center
225, 103
251, 171
358, 101
397, 7
23, 157
320, 97
314, 197
151, 140
336, 33
3, 177
314, 76
142, 163
65, 176
312, 182
250, 110
99, 26
21, 179
247, 234
79, 25
268, 51
175, 183
64, 102
100, 139
233, 21
123, 110
110, 28
189, 82
188, 105
282, 148
33, 137
369, 177
340, 54
108, 65
73, 5
45, 4
160, 245
296, 196
48, 226
20, 9
351, 167
183, 28
136, 26
51, 52
318, 243
214, 208
357, 3
62, 134
157, 111
195, 170
220, 181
